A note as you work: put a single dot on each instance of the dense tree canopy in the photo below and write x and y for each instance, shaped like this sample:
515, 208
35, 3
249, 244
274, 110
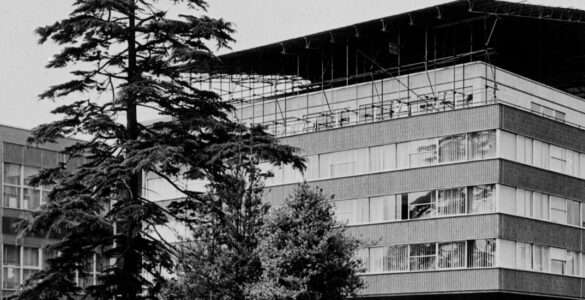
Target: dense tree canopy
305, 252
135, 56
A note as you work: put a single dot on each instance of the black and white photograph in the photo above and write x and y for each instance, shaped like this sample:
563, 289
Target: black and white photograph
292, 150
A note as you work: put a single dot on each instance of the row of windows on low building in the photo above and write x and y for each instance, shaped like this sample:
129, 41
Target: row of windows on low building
433, 151
20, 262
467, 200
472, 254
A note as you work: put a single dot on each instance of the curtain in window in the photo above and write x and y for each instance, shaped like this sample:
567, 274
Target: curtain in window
451, 202
482, 199
452, 148
422, 257
481, 253
452, 255
481, 144
573, 212
11, 255
396, 258
30, 257
376, 259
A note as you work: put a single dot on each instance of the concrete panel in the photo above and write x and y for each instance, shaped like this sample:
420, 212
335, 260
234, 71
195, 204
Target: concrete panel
33, 157
527, 177
398, 130
541, 128
540, 283
445, 229
539, 232
13, 153
451, 281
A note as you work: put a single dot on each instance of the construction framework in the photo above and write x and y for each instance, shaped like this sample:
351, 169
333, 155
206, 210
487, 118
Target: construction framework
393, 48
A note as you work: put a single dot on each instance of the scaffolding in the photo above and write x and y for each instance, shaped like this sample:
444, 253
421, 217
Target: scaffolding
388, 68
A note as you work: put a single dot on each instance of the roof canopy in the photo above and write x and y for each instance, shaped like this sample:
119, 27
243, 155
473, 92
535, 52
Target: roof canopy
546, 44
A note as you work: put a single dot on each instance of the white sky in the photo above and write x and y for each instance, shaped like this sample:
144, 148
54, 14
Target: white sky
258, 22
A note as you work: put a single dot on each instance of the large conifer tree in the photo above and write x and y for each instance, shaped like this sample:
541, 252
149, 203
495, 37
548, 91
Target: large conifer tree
131, 51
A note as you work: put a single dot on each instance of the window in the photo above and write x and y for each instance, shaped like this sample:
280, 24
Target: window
158, 189
421, 205
452, 148
376, 259
19, 263
423, 257
523, 203
573, 212
88, 276
540, 258
558, 261
540, 204
352, 211
17, 191
363, 256
451, 202
337, 164
385, 208
482, 199
482, 145
558, 159
558, 210
481, 253
422, 153
396, 258
451, 255
523, 256
383, 158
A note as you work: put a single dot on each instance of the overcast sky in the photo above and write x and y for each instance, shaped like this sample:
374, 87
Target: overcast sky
258, 22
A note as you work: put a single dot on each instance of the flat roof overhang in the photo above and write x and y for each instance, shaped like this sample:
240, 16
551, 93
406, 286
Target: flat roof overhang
546, 44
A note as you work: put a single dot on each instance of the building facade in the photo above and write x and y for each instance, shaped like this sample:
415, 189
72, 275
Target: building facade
464, 174
23, 256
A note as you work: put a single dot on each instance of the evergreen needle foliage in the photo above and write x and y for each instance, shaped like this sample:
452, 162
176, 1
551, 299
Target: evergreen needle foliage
131, 51
220, 262
305, 253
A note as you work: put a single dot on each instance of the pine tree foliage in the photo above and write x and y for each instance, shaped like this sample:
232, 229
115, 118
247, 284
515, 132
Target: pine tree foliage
220, 262
305, 253
132, 52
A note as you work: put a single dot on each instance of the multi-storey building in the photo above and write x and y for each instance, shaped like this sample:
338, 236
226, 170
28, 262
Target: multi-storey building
453, 139
23, 256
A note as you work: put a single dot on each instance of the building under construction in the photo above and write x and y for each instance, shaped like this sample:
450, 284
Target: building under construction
453, 139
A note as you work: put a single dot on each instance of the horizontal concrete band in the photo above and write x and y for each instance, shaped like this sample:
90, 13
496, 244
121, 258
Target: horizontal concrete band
472, 281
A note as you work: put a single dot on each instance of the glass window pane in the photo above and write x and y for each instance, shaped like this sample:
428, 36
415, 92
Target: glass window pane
482, 199
345, 211
11, 255
573, 212
422, 152
452, 148
482, 145
363, 210
376, 259
362, 255
396, 258
451, 202
558, 210
421, 204
422, 256
10, 278
452, 255
28, 172
481, 253
384, 209
12, 174
31, 198
11, 196
30, 257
